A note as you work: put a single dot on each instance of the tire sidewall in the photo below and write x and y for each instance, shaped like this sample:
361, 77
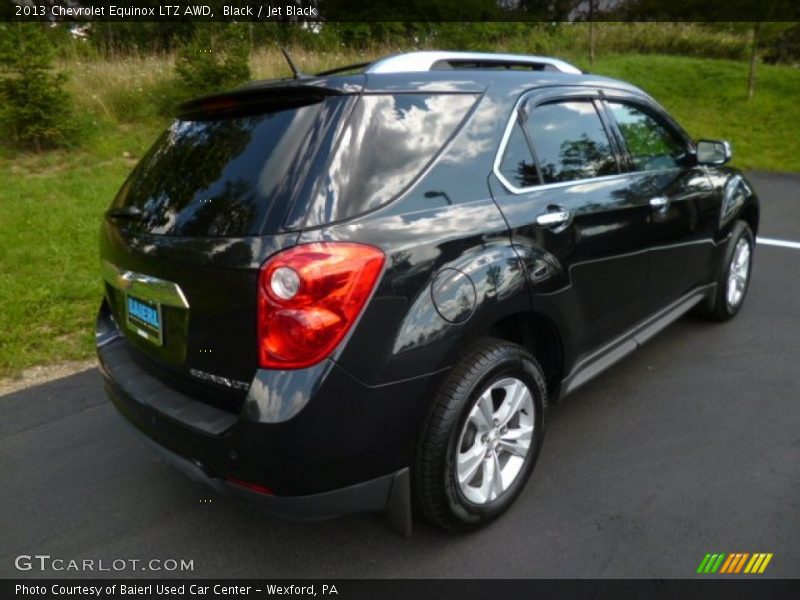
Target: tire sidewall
513, 364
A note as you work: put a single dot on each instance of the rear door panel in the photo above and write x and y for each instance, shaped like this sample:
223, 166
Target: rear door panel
591, 273
594, 272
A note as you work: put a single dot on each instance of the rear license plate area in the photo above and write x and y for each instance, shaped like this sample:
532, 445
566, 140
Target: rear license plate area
144, 319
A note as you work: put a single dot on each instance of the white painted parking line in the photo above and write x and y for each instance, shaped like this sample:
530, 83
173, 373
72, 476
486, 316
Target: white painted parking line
782, 243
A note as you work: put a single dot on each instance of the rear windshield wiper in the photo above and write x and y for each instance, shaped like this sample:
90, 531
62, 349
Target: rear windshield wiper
126, 212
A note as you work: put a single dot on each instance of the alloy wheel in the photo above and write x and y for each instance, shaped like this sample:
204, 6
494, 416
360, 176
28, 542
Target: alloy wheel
495, 440
738, 273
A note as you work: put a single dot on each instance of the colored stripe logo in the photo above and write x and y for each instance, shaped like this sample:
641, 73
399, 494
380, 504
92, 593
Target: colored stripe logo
735, 563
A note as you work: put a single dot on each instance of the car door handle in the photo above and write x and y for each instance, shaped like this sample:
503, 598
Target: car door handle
659, 202
553, 219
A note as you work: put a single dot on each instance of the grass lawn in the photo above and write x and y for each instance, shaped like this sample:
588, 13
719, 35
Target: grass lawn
51, 204
50, 211
709, 98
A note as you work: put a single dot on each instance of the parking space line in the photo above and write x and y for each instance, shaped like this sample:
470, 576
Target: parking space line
774, 242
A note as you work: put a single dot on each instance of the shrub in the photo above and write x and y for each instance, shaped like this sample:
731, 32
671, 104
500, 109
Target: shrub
157, 98
217, 58
35, 110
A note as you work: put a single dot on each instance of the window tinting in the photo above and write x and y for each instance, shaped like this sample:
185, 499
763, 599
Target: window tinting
388, 141
517, 165
222, 177
570, 142
650, 144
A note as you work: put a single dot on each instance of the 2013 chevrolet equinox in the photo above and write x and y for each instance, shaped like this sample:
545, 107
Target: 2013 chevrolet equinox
341, 292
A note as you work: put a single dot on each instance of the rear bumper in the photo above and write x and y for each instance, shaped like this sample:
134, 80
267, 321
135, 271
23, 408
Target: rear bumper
375, 495
348, 449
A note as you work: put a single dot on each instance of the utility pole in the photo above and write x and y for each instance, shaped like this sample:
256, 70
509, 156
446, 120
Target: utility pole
591, 32
751, 77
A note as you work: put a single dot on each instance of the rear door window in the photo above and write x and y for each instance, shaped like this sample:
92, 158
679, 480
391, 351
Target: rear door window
570, 141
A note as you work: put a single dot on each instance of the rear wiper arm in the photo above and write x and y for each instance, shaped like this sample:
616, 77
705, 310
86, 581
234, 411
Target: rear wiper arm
126, 212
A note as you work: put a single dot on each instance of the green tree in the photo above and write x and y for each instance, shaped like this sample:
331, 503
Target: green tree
216, 59
764, 37
36, 111
121, 38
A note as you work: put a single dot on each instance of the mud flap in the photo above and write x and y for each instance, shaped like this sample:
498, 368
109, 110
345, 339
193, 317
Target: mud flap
398, 506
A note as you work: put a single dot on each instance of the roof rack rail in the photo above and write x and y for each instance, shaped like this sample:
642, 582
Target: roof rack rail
436, 61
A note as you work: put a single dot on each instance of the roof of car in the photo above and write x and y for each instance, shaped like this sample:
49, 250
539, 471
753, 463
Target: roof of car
468, 81
446, 71
508, 75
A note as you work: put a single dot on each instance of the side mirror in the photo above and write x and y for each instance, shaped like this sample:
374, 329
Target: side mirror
713, 152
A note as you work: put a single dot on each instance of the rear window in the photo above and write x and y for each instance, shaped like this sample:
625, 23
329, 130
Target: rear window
223, 177
241, 176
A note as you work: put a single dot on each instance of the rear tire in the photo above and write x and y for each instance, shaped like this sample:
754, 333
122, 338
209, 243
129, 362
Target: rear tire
734, 278
480, 441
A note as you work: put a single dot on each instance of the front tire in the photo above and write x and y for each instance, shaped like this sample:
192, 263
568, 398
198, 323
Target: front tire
734, 278
482, 437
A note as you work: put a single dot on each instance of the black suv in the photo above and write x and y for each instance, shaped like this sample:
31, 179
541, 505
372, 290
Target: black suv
342, 292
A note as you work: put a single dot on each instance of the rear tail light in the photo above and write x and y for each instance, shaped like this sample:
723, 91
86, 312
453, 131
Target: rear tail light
308, 298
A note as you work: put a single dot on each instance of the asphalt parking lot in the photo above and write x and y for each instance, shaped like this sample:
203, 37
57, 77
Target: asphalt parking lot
690, 446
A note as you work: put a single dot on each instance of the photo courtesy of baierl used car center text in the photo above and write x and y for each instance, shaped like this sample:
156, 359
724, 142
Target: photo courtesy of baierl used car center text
399, 299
